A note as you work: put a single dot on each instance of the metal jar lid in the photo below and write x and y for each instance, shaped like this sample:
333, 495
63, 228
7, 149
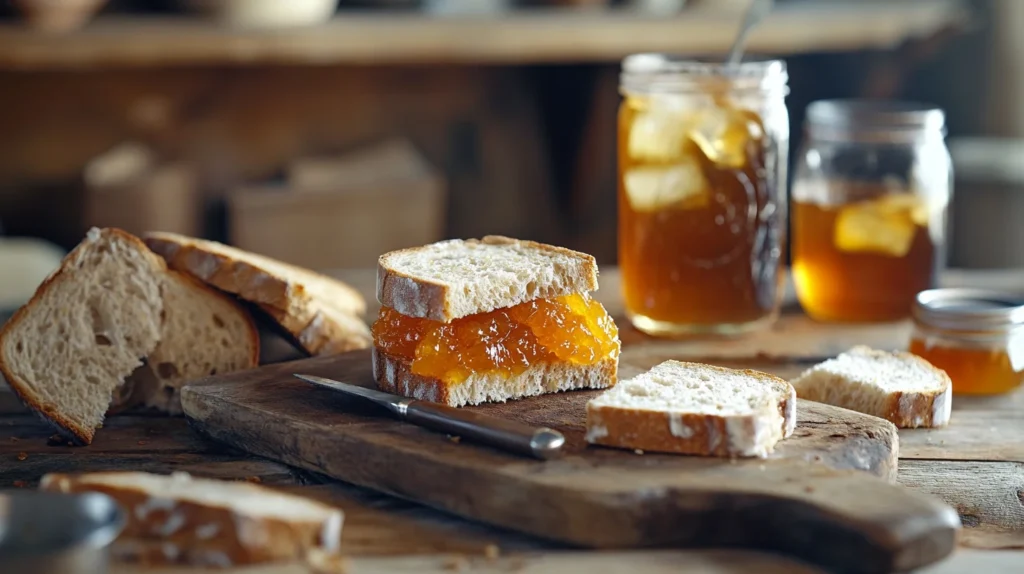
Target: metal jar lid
969, 309
876, 119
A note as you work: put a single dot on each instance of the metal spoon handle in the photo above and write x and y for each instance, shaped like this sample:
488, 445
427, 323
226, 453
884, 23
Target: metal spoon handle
756, 12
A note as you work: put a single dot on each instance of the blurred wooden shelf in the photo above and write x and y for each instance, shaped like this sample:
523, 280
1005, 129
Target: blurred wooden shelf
514, 38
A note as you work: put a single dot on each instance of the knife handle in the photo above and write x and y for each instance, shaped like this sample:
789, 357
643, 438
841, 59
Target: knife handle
517, 437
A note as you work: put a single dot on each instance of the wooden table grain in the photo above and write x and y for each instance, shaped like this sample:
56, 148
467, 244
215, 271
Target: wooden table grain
976, 464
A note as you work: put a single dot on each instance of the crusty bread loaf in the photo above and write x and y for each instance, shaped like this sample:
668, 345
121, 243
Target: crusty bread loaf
317, 310
201, 522
205, 332
902, 388
690, 408
87, 328
452, 279
394, 375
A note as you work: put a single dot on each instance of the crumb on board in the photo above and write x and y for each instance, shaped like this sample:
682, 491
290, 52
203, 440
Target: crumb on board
142, 443
456, 563
454, 439
22, 455
808, 489
637, 451
492, 552
253, 479
14, 439
20, 484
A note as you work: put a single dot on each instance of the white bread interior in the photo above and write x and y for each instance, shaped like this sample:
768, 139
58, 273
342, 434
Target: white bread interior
87, 327
205, 332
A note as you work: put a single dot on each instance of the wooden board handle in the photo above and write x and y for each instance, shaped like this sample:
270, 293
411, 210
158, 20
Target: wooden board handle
848, 523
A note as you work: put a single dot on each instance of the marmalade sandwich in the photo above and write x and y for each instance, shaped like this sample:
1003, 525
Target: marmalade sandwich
473, 321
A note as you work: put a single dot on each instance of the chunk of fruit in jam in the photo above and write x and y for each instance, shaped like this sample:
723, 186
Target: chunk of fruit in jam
885, 225
574, 328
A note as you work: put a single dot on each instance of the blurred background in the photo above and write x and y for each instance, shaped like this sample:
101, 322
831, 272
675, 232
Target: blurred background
325, 132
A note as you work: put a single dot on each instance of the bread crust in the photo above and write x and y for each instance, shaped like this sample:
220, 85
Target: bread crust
394, 375
691, 433
171, 531
316, 324
421, 297
67, 427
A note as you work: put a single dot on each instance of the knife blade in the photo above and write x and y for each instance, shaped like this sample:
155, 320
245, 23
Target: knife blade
513, 436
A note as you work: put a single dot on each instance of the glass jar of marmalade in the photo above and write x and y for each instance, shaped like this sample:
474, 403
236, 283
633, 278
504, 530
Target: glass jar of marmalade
702, 180
976, 336
872, 185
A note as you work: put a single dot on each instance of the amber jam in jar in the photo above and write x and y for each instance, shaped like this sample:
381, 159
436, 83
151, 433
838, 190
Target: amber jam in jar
976, 336
702, 208
870, 196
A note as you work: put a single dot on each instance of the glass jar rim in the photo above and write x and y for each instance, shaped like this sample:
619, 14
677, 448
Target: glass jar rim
657, 72
875, 114
969, 309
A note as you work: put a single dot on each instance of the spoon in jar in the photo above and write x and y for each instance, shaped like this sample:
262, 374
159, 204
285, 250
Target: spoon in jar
756, 12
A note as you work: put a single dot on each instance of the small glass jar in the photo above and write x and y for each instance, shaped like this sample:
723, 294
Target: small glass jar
872, 186
702, 183
976, 336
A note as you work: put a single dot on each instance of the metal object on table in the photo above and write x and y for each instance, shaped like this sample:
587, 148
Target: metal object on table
54, 532
755, 13
512, 436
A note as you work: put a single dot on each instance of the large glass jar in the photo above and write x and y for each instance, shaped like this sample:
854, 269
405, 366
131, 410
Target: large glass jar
702, 182
872, 185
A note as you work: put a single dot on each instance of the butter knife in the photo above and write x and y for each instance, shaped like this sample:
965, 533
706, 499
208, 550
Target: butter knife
512, 436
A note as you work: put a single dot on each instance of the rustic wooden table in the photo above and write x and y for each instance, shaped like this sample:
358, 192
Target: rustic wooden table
976, 464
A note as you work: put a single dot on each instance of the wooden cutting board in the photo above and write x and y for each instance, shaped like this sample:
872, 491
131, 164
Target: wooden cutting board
825, 495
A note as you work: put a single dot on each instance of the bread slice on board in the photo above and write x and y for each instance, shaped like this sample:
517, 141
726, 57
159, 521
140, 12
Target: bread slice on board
690, 408
394, 375
316, 309
205, 332
452, 279
87, 327
202, 522
902, 388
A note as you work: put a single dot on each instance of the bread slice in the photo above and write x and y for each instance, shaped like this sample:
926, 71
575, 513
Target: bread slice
202, 522
690, 408
452, 279
317, 310
205, 332
900, 387
87, 327
394, 375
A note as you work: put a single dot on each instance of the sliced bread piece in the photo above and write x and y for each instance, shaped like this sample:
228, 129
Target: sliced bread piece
87, 327
902, 388
394, 375
205, 332
690, 408
202, 522
317, 310
452, 279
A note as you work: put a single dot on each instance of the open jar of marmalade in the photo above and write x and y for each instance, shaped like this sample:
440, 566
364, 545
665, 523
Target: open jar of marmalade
870, 194
702, 181
976, 336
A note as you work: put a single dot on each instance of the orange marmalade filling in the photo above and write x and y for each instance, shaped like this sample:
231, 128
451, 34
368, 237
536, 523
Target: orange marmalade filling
573, 328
